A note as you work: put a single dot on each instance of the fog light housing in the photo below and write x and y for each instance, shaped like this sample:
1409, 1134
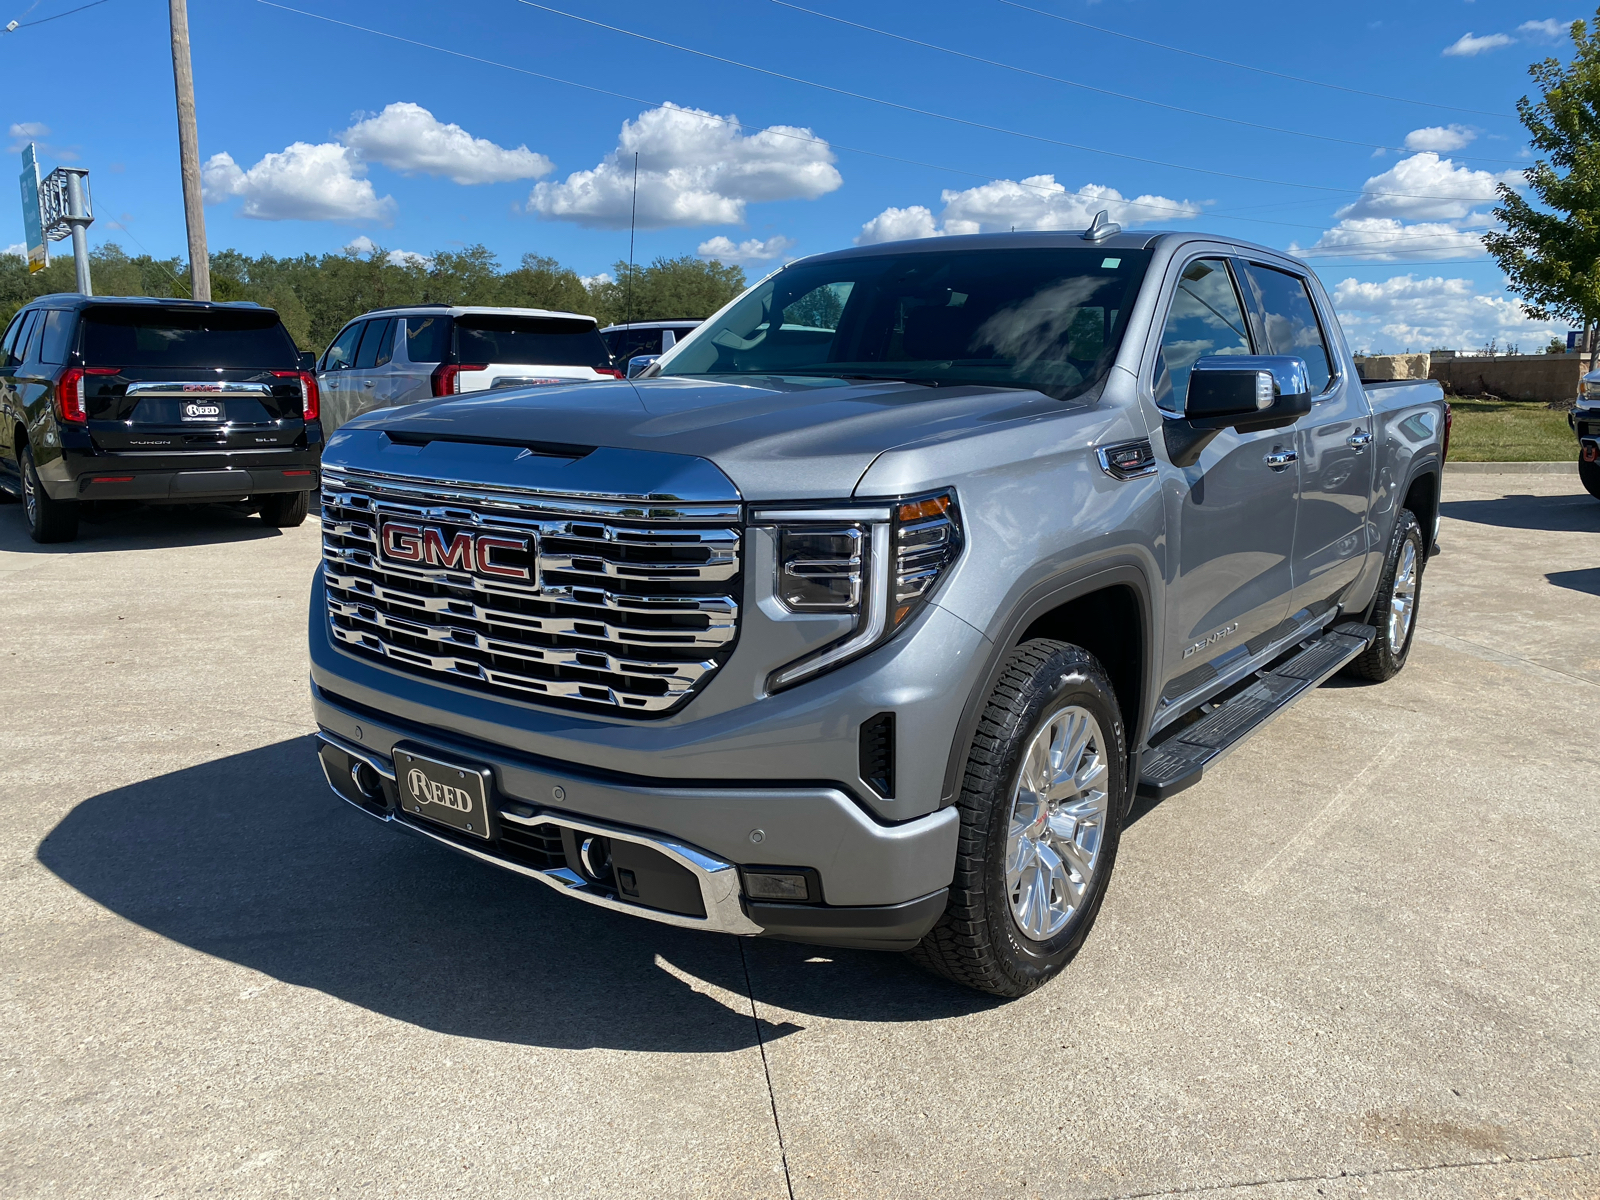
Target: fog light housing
786, 885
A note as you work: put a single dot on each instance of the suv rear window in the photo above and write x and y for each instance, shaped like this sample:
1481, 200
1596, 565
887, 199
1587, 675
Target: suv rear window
546, 341
252, 339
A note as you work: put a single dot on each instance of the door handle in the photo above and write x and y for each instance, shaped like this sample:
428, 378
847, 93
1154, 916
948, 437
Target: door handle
368, 382
1279, 460
1358, 439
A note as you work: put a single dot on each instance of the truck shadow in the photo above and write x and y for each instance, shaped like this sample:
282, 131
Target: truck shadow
1586, 579
252, 859
153, 527
1554, 514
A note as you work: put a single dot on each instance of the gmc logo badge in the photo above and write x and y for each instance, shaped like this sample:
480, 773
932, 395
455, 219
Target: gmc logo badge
480, 554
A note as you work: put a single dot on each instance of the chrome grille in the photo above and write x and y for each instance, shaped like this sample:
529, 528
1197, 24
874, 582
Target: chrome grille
631, 605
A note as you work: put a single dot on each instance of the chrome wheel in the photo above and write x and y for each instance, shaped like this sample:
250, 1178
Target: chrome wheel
1403, 599
1058, 820
30, 498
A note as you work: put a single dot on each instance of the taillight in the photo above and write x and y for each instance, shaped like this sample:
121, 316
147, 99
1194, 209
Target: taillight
446, 376
310, 398
1449, 420
71, 393
611, 371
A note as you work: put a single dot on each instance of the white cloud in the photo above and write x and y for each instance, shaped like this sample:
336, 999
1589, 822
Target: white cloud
694, 169
594, 281
23, 132
1440, 137
1433, 313
1037, 202
20, 249
1466, 46
1384, 239
1427, 187
1548, 30
408, 138
397, 258
361, 245
303, 182
745, 253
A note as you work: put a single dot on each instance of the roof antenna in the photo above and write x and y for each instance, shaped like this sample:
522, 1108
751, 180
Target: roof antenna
1101, 227
633, 216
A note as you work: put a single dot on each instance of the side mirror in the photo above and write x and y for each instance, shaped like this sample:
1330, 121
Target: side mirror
308, 360
1247, 392
639, 362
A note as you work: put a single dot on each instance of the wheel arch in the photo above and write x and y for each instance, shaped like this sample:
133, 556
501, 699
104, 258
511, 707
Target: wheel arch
1108, 611
1422, 498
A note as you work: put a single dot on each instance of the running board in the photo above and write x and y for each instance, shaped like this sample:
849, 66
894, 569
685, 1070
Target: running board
1178, 762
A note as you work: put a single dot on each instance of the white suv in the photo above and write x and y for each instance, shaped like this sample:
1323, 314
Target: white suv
401, 355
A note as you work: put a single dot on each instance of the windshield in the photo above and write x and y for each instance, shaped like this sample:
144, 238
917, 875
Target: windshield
1048, 318
145, 336
541, 341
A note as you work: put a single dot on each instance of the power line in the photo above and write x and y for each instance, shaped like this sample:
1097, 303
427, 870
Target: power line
58, 16
1088, 87
925, 112
1477, 112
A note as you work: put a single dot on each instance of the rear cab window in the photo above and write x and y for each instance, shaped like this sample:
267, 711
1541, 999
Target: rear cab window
535, 341
1291, 321
147, 336
377, 344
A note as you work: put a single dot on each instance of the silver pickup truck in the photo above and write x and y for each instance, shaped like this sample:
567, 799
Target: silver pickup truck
867, 615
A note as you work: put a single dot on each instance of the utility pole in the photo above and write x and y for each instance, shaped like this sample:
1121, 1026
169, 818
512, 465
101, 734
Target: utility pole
189, 152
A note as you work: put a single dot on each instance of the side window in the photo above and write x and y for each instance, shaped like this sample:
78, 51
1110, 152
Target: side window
1292, 326
375, 341
426, 338
56, 343
28, 339
342, 354
1206, 318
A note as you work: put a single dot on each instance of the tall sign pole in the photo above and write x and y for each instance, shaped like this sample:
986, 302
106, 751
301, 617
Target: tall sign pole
189, 152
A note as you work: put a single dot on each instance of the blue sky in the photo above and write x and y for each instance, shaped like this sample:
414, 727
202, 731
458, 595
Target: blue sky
318, 134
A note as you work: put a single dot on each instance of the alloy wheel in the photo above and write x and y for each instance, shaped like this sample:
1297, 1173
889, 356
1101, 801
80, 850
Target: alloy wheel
1057, 822
1403, 599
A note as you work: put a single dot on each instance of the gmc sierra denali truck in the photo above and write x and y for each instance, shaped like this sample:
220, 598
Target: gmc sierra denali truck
864, 615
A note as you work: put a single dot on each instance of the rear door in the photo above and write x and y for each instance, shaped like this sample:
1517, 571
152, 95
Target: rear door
1230, 515
10, 412
369, 382
1334, 441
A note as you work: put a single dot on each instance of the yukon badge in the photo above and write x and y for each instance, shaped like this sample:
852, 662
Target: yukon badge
493, 555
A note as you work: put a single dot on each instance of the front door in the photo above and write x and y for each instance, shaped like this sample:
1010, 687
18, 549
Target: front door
1334, 442
1230, 515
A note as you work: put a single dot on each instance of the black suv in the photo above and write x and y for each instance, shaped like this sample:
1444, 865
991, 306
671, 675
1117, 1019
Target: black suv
175, 401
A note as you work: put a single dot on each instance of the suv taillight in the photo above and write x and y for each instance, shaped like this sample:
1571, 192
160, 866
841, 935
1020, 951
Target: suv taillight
71, 401
446, 376
611, 371
310, 398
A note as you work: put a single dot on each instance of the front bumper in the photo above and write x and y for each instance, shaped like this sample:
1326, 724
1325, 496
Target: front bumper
882, 886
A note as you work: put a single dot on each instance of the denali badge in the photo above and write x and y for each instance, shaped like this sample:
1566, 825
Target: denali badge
426, 791
479, 554
1211, 639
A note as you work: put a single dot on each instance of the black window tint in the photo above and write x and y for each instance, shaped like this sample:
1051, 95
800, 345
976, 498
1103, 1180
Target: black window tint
55, 344
378, 341
342, 354
625, 343
242, 338
1292, 326
10, 339
1205, 318
427, 338
28, 339
546, 341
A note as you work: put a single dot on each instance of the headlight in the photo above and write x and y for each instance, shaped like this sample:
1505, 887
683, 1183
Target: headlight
877, 564
1589, 392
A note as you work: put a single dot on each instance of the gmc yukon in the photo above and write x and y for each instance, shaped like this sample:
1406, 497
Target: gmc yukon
864, 616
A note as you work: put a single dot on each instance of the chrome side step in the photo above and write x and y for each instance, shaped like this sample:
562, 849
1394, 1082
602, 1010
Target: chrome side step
1179, 761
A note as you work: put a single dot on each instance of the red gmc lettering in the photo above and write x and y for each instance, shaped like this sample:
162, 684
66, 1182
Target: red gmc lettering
458, 554
402, 542
489, 567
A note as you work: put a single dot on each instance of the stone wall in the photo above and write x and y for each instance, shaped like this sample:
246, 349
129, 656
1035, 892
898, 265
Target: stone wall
1547, 377
1377, 367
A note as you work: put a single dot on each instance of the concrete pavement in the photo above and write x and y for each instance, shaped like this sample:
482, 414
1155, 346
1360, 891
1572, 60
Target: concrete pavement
1357, 960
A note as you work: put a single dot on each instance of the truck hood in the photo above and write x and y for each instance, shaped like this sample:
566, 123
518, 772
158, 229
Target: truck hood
775, 438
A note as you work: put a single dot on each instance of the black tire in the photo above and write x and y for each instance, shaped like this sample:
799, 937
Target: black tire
1589, 476
48, 520
285, 509
1383, 660
978, 941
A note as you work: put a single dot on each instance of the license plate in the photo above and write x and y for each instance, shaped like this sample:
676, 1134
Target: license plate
446, 793
202, 410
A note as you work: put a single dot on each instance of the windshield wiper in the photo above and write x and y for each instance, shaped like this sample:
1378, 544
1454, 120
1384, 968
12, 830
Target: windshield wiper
868, 378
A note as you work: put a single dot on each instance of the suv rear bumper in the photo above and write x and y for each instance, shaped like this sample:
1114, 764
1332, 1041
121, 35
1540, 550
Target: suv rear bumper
893, 878
181, 477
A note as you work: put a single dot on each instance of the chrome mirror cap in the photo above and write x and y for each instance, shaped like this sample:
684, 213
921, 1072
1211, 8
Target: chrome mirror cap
639, 363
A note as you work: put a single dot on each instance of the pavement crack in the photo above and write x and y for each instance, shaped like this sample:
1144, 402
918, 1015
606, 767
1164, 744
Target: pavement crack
1470, 1164
766, 1069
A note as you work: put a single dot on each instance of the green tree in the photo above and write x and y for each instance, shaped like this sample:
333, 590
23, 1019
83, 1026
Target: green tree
1551, 252
668, 287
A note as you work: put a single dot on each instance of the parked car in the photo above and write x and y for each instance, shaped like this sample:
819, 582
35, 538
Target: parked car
646, 338
161, 401
398, 356
1585, 422
862, 618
